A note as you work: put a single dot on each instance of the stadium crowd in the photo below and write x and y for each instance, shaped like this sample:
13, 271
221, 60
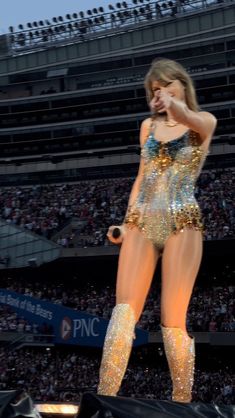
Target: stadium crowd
211, 308
54, 374
11, 321
46, 209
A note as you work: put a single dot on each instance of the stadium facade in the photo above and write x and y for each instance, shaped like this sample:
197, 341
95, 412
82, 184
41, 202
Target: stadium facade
72, 107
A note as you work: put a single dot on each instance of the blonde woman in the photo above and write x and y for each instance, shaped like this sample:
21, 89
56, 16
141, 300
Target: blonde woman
162, 219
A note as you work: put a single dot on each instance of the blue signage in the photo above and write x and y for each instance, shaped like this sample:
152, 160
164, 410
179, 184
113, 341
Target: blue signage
68, 326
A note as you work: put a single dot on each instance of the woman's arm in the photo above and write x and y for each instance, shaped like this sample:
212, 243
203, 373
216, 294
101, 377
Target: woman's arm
202, 122
144, 133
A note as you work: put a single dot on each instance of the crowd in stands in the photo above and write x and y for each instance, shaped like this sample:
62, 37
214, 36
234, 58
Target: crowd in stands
45, 209
58, 375
211, 309
11, 321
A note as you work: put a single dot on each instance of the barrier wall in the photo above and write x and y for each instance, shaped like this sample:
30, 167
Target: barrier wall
69, 326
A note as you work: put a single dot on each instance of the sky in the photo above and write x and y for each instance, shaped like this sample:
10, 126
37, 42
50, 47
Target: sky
14, 12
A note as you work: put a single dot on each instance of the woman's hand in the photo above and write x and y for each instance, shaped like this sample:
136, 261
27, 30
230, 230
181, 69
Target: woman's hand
161, 101
121, 236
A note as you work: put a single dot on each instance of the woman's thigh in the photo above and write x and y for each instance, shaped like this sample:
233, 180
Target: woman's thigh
137, 261
180, 264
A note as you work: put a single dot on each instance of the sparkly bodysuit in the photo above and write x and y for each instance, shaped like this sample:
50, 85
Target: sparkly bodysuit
165, 203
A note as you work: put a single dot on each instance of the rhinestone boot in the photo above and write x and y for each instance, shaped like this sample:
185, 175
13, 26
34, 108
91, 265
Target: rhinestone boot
180, 353
117, 348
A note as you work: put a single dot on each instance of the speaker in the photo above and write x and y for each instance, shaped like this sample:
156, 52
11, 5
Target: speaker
97, 406
17, 403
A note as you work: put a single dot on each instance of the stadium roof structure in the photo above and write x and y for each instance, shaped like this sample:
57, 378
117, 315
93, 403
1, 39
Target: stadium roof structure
96, 23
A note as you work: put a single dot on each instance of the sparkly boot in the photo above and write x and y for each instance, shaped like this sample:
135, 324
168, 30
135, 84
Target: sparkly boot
180, 353
117, 348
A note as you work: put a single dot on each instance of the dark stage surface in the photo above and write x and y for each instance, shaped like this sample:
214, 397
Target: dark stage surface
96, 406
17, 403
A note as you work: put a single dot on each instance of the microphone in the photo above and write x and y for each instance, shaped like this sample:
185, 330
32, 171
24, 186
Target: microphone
116, 233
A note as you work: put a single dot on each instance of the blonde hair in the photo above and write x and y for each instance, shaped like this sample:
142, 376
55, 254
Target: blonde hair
166, 70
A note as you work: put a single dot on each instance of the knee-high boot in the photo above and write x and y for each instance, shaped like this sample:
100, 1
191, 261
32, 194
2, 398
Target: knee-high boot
180, 353
117, 348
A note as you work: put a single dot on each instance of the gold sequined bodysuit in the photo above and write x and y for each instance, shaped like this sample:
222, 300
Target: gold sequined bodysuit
166, 203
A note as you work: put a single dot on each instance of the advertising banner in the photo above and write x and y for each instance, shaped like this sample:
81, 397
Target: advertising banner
68, 326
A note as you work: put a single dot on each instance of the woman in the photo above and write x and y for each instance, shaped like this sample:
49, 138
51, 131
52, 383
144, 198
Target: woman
162, 219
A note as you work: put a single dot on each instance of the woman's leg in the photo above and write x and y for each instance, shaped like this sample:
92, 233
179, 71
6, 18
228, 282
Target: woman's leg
180, 264
137, 262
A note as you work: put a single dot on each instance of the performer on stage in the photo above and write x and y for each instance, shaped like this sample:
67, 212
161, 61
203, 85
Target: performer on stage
162, 219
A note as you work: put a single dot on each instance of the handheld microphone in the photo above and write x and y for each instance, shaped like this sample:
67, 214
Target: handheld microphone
116, 233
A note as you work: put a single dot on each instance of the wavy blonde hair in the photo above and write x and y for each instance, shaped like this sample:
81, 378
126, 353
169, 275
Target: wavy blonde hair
166, 70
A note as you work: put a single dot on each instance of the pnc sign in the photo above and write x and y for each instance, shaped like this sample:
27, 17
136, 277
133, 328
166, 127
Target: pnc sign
66, 328
78, 328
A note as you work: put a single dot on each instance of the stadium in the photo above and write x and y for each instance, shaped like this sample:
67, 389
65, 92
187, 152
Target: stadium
72, 101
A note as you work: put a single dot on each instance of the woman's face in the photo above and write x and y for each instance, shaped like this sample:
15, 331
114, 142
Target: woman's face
175, 88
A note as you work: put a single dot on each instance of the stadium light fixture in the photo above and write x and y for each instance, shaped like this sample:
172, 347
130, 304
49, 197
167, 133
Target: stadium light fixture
124, 4
111, 7
12, 39
75, 16
148, 11
60, 19
118, 5
89, 12
21, 39
21, 27
54, 19
11, 29
41, 23
82, 26
121, 17
81, 14
95, 11
101, 10
127, 14
47, 22
35, 24
68, 16
29, 25
44, 35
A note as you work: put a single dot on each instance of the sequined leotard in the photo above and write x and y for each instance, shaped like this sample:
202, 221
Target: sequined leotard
165, 203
